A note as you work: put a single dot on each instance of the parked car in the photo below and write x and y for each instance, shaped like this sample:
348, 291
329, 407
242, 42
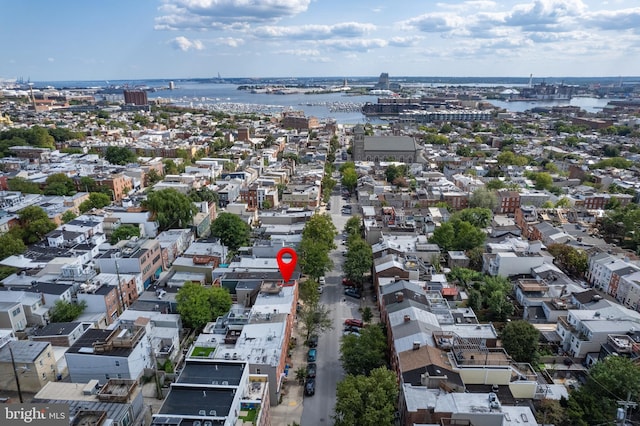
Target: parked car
311, 370
353, 322
320, 289
351, 329
352, 292
313, 341
312, 355
348, 283
310, 387
322, 280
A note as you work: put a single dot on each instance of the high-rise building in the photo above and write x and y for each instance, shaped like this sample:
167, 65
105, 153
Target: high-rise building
135, 97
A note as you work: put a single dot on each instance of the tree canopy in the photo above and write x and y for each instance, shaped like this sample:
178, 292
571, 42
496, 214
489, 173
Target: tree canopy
349, 176
572, 260
608, 381
359, 260
367, 400
65, 312
10, 245
170, 208
59, 184
484, 198
120, 155
34, 224
96, 200
198, 305
457, 234
315, 318
232, 231
317, 240
521, 340
124, 232
364, 353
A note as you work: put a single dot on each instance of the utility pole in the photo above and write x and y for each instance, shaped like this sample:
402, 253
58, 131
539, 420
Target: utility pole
15, 372
623, 408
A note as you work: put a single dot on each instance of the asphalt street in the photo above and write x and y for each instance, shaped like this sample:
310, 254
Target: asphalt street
319, 408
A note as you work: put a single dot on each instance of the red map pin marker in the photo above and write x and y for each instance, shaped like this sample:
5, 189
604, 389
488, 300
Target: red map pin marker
287, 267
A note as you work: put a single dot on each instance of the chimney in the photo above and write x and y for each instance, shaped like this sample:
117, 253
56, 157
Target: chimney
407, 318
396, 278
399, 296
416, 345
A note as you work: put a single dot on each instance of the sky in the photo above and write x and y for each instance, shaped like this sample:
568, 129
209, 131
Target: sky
45, 40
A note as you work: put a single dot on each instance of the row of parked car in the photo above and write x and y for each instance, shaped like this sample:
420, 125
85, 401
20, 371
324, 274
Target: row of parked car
312, 356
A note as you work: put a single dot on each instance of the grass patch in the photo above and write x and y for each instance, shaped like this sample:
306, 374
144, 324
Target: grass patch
252, 415
202, 351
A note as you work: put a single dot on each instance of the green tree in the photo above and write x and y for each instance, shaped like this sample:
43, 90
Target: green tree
364, 353
88, 184
353, 226
23, 185
10, 245
232, 231
608, 381
467, 236
124, 232
170, 167
464, 276
359, 260
572, 260
543, 180
314, 258
476, 216
68, 216
367, 400
521, 340
96, 200
315, 319
120, 155
367, 314
198, 305
170, 208
34, 224
495, 184
59, 184
483, 198
350, 179
152, 177
66, 312
203, 194
444, 236
317, 240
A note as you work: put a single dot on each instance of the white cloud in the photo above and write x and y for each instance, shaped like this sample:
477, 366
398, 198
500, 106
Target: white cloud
358, 45
50, 59
229, 41
184, 44
301, 52
315, 32
623, 19
208, 14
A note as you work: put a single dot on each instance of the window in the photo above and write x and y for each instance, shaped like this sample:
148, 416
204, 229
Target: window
106, 376
117, 363
16, 312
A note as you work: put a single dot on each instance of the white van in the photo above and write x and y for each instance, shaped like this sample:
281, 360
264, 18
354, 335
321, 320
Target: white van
321, 281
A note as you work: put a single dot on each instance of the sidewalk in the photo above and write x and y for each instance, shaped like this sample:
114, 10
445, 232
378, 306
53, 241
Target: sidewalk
290, 408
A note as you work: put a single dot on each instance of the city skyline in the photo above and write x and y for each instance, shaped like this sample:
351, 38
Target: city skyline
76, 40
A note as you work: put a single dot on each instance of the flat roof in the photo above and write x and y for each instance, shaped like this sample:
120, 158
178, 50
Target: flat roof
213, 373
198, 402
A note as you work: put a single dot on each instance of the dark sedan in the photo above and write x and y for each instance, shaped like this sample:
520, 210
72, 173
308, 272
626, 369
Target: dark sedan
352, 292
311, 370
310, 387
